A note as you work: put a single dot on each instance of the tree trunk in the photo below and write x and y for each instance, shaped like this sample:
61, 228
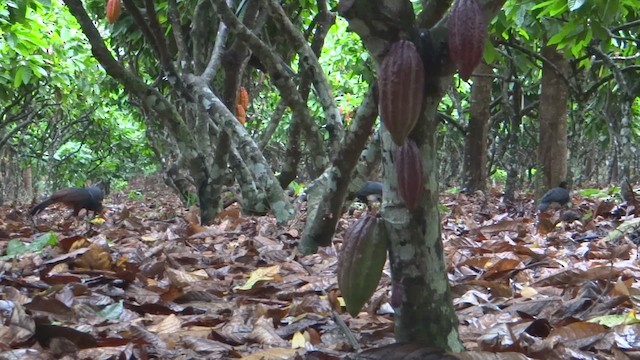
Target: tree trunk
552, 148
195, 116
293, 153
421, 291
326, 199
425, 314
511, 108
475, 163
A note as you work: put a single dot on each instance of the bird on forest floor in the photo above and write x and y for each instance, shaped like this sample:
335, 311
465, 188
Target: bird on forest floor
89, 198
370, 191
559, 195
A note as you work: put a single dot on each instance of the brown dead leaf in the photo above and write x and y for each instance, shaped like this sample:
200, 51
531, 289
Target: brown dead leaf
96, 258
166, 285
582, 334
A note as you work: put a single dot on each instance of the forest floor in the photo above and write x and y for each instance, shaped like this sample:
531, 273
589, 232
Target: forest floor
149, 282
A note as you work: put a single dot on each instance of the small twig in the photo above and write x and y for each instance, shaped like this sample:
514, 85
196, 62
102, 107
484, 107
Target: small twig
345, 330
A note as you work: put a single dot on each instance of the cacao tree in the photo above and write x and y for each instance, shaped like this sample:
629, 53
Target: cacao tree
424, 312
61, 122
585, 35
198, 79
183, 65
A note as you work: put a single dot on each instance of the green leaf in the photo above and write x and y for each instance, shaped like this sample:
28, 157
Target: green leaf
490, 53
612, 8
589, 192
544, 4
564, 34
18, 12
559, 8
113, 311
525, 35
15, 248
43, 241
599, 31
575, 4
615, 320
17, 80
556, 39
38, 71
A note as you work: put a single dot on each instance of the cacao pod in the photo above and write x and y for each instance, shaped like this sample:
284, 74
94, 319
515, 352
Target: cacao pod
241, 115
409, 174
401, 89
361, 260
243, 98
467, 31
114, 8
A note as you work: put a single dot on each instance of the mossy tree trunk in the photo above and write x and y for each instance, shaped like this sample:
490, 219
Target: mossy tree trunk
552, 148
425, 314
421, 292
475, 163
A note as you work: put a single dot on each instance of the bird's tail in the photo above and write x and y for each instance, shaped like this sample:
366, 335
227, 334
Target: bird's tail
43, 205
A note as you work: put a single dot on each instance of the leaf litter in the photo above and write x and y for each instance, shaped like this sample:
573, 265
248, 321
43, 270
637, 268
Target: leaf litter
148, 281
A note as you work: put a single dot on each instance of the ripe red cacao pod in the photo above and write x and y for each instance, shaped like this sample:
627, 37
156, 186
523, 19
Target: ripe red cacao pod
361, 261
401, 89
114, 8
409, 174
467, 32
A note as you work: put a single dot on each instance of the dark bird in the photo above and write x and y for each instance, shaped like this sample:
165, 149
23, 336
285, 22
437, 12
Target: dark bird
559, 195
369, 191
89, 198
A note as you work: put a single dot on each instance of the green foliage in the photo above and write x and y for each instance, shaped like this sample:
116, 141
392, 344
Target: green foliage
444, 210
192, 199
590, 192
500, 175
348, 67
297, 187
349, 71
136, 195
605, 193
452, 190
16, 248
572, 25
83, 127
578, 29
119, 184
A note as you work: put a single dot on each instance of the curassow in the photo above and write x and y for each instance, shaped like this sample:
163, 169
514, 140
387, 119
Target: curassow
558, 195
89, 198
370, 189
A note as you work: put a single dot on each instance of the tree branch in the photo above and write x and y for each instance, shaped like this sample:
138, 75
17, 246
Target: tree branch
178, 35
275, 67
218, 48
311, 64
